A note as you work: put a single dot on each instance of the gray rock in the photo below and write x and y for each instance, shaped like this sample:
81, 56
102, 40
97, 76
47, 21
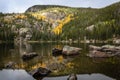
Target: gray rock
67, 50
92, 47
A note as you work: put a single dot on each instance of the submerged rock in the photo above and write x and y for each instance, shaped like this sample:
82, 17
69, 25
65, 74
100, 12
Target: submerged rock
29, 56
67, 50
56, 66
56, 51
99, 54
72, 77
39, 73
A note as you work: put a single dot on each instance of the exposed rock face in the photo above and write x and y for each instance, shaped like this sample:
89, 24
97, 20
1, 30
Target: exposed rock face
22, 34
25, 34
54, 15
41, 7
67, 50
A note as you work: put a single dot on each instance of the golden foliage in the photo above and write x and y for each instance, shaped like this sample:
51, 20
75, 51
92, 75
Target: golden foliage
60, 59
38, 16
39, 65
70, 65
58, 46
20, 16
8, 20
58, 29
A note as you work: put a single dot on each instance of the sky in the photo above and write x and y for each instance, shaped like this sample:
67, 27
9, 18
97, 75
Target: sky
20, 6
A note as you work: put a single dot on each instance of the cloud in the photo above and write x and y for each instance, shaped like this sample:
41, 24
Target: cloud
22, 5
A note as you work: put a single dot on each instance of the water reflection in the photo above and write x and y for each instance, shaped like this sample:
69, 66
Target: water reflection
84, 77
23, 75
25, 48
14, 75
60, 65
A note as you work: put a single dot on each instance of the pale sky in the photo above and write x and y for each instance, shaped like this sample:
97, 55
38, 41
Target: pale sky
9, 6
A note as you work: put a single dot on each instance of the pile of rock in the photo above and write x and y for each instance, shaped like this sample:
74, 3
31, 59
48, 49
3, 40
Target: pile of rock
104, 51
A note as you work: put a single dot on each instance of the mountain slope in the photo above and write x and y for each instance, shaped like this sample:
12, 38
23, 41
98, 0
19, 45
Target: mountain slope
49, 22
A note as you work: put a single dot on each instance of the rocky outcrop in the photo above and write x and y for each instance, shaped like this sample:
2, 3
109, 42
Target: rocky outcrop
104, 51
36, 8
25, 33
39, 73
68, 50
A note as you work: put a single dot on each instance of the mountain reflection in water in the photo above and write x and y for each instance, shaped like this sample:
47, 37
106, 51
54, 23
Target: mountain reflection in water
60, 65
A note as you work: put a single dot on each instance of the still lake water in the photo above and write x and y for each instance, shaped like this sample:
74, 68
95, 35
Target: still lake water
86, 68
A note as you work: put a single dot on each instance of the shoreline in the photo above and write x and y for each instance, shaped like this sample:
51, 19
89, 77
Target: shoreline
66, 42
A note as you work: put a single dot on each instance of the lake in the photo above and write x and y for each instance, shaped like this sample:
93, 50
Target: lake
86, 68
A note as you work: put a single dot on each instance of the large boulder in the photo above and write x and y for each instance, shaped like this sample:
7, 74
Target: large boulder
39, 73
68, 50
29, 56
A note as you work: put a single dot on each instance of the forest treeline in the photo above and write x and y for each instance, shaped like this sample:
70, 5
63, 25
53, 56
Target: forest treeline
47, 23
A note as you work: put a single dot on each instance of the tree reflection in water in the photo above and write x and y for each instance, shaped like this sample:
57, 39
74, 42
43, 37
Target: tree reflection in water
60, 65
